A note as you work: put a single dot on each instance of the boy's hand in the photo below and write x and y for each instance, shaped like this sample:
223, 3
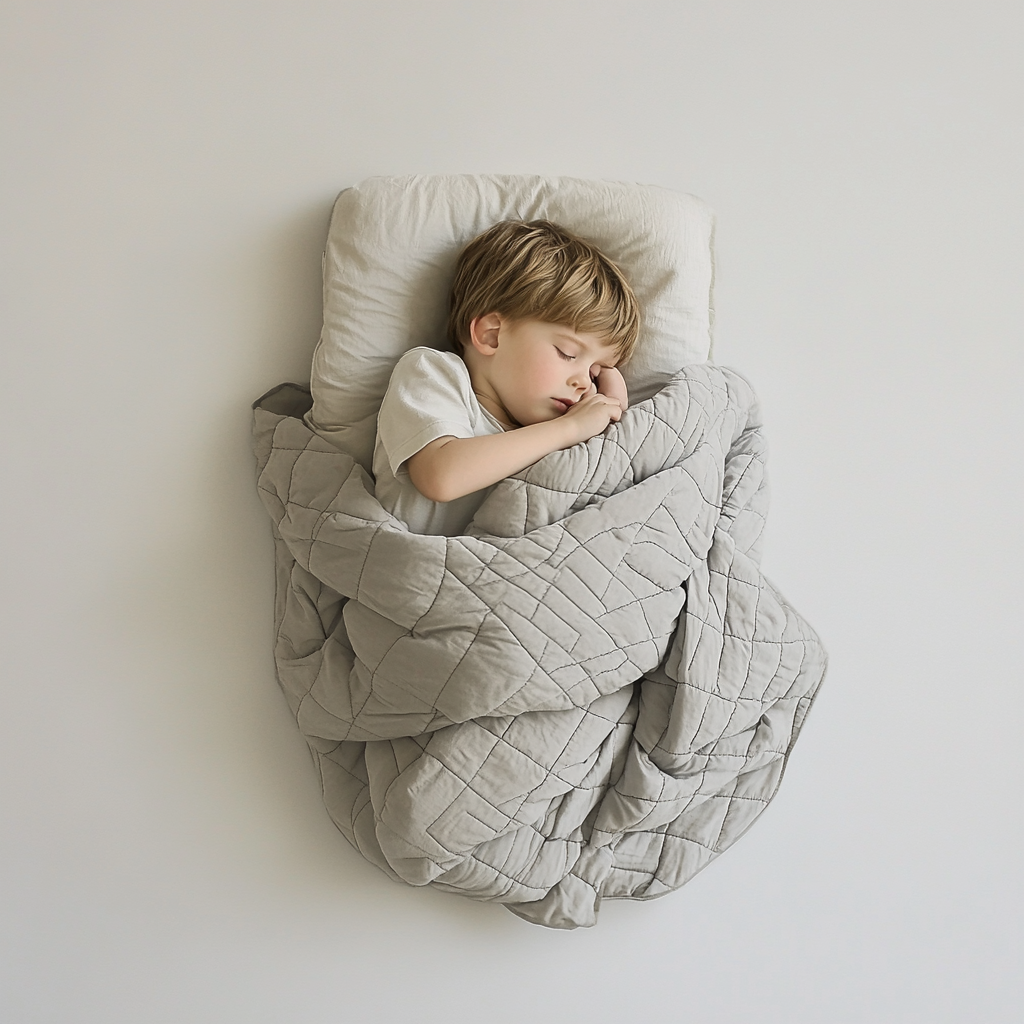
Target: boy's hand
591, 414
611, 383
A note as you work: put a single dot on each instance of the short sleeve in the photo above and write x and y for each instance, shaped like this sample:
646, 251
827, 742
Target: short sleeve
429, 396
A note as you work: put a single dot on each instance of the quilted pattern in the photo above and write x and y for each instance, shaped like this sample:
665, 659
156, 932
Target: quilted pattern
590, 696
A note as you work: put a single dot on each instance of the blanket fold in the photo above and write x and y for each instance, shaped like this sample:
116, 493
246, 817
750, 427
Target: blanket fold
590, 695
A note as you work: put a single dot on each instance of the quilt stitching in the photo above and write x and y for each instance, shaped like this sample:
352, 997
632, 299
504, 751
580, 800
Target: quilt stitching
749, 666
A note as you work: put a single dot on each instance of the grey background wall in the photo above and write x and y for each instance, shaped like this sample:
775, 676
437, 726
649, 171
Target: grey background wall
169, 170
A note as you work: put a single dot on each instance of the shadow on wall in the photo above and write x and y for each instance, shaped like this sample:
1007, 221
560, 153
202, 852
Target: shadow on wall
275, 283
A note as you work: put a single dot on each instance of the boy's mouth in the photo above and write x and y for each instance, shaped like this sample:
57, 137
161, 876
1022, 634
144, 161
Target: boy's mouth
564, 403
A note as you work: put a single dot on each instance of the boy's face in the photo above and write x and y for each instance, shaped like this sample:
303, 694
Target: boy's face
535, 370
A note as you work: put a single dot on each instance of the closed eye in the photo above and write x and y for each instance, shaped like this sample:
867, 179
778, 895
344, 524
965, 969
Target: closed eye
564, 355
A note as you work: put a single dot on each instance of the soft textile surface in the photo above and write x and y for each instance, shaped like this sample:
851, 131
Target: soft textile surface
390, 258
590, 697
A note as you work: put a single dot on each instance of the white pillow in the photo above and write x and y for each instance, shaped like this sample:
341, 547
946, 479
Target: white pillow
390, 259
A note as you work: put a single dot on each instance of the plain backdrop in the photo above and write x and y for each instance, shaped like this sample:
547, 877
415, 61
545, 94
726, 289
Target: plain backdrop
169, 169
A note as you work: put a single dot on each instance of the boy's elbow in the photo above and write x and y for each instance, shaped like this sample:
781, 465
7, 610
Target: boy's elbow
441, 489
433, 491
432, 485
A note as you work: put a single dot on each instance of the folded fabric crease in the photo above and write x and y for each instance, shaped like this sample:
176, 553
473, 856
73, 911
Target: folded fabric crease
589, 696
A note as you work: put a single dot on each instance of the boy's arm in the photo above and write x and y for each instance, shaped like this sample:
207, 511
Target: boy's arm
611, 383
450, 467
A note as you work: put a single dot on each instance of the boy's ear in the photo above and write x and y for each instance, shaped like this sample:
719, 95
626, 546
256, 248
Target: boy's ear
483, 333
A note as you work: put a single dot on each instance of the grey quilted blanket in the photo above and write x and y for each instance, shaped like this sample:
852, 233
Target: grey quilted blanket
590, 696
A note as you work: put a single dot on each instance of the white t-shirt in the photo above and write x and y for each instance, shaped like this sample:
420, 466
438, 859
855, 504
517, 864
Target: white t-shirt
430, 396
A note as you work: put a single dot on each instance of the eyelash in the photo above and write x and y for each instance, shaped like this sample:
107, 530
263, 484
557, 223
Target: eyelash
569, 359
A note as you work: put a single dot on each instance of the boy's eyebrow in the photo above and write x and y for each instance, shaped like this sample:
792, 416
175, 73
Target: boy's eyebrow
565, 332
570, 336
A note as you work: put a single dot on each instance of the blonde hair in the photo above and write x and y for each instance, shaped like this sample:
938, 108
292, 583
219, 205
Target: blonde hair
537, 270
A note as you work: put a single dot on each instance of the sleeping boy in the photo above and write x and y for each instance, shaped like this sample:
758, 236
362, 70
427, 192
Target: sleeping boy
539, 320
